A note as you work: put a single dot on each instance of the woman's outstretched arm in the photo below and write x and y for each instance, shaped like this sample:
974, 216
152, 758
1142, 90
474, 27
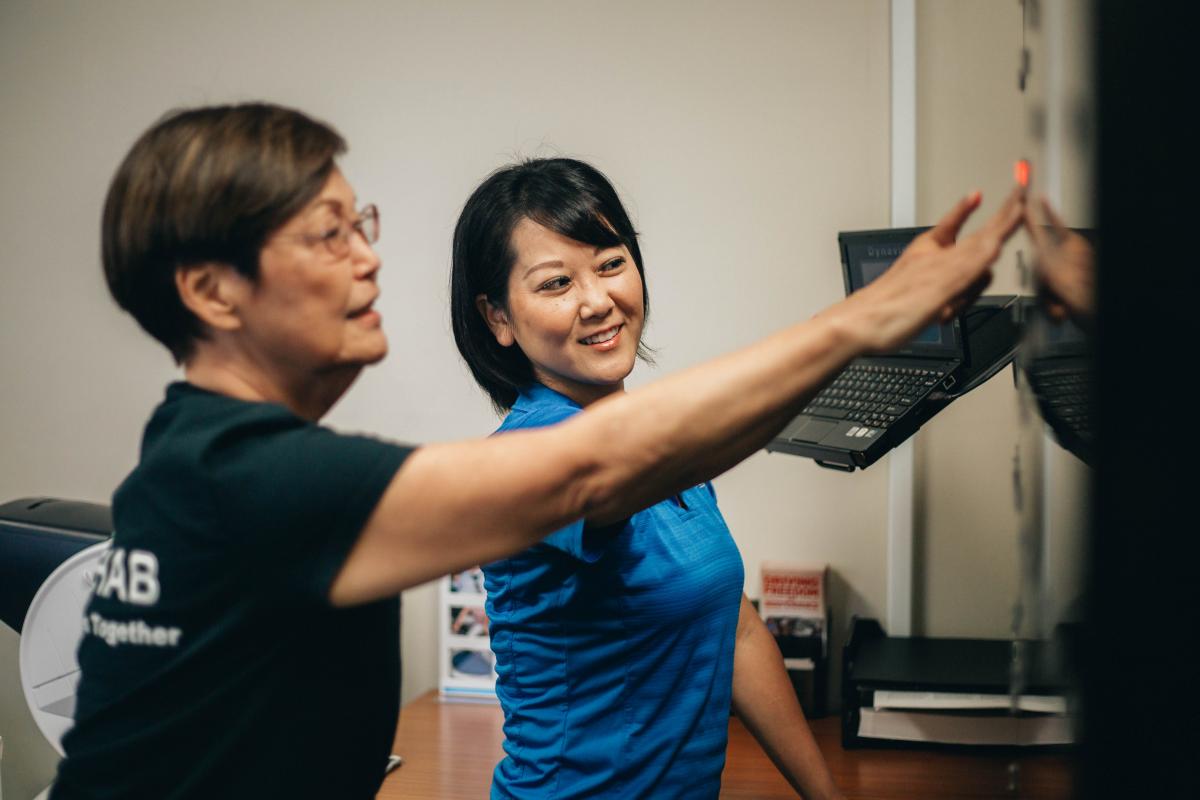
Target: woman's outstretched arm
451, 506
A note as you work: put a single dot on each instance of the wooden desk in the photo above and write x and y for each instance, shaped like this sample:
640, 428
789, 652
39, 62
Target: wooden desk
450, 749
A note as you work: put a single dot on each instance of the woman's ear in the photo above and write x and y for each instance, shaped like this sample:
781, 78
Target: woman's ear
211, 291
496, 319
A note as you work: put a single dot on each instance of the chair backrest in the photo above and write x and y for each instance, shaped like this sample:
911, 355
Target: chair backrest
36, 535
49, 648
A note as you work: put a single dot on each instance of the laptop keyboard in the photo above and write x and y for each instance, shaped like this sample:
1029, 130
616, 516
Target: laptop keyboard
874, 395
1065, 391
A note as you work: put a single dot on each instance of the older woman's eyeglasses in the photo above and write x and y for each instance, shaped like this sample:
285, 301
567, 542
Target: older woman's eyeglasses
337, 240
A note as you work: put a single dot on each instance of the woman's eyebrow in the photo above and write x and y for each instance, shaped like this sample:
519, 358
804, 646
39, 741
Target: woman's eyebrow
555, 263
331, 202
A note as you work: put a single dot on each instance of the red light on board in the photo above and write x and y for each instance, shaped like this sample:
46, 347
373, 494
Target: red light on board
1021, 173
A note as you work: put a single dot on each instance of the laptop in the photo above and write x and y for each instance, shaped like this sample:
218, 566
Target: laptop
1056, 359
1059, 370
879, 401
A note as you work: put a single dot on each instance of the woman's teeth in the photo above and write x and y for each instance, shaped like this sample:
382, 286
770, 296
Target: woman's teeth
603, 336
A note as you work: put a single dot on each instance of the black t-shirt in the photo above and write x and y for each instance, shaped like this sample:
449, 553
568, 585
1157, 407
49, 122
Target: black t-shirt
212, 662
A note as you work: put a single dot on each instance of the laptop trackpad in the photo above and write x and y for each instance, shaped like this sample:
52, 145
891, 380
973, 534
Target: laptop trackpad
852, 436
807, 429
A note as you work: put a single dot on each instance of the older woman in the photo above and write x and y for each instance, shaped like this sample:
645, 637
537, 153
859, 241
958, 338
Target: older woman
258, 555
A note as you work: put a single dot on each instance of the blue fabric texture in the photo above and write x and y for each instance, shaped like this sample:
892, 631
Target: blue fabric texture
614, 647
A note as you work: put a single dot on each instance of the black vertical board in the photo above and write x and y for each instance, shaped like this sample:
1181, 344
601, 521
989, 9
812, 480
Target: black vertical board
1139, 665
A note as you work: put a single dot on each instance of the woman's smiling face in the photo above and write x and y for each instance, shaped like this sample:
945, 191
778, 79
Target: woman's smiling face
575, 310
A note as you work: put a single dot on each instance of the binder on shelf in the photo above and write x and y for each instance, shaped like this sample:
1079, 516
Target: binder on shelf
807, 665
923, 691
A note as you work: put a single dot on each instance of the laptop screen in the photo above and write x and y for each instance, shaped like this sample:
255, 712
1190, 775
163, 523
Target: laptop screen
1054, 338
865, 256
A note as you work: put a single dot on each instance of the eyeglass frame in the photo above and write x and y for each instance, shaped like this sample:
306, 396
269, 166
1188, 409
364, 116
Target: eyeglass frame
337, 241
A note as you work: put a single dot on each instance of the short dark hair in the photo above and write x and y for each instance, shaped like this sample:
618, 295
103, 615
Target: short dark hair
565, 195
206, 184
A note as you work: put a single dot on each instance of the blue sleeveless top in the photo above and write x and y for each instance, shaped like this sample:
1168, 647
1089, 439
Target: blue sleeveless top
614, 647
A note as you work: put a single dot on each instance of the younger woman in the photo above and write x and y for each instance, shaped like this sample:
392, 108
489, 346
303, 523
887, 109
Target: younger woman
620, 649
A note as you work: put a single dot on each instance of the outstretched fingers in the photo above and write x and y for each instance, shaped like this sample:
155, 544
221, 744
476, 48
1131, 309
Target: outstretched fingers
1060, 227
989, 239
947, 228
1008, 218
1037, 232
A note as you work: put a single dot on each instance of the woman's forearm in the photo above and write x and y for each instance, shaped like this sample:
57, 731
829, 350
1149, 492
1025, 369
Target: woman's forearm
765, 701
691, 426
455, 505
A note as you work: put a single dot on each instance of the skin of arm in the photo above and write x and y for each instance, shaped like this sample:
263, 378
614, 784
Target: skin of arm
452, 506
765, 701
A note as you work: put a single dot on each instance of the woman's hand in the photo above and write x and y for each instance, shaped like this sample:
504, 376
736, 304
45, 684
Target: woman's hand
932, 280
1065, 267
